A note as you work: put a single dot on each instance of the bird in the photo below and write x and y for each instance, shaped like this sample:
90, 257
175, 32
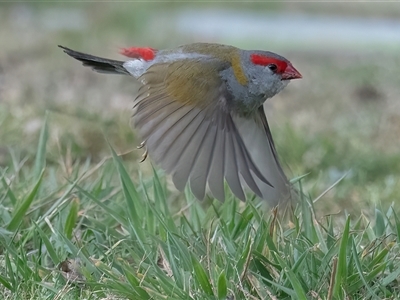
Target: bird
199, 111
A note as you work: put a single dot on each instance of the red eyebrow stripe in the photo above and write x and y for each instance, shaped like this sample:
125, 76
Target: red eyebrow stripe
263, 60
145, 53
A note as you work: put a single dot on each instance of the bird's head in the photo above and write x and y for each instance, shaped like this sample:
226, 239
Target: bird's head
268, 73
257, 76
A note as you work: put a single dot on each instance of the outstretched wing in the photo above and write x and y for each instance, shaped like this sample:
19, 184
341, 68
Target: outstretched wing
190, 130
256, 134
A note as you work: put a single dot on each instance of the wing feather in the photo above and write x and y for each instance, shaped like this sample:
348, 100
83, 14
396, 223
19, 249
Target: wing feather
255, 132
164, 134
201, 167
186, 161
231, 169
172, 146
201, 141
216, 175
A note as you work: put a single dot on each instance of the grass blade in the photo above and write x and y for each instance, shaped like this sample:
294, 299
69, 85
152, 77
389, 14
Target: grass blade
26, 203
40, 160
298, 289
201, 276
342, 261
222, 286
50, 249
71, 218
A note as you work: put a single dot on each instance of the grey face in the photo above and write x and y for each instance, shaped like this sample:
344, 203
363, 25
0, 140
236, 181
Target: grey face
263, 83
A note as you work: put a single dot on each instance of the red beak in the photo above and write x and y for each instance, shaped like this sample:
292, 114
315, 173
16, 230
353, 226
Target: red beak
291, 73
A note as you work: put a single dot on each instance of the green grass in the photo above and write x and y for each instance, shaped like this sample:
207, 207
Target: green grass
105, 233
79, 222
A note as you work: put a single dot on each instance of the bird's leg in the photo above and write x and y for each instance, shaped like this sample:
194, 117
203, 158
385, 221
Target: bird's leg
144, 156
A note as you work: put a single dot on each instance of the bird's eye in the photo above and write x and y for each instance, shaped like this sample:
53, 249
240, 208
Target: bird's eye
273, 67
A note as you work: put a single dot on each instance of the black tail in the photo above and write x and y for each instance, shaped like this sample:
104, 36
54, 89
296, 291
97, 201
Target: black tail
101, 65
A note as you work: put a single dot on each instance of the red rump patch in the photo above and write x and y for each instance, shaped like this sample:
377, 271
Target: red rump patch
146, 53
263, 60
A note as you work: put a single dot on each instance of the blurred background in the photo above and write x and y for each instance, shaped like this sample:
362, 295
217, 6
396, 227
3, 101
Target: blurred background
343, 117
